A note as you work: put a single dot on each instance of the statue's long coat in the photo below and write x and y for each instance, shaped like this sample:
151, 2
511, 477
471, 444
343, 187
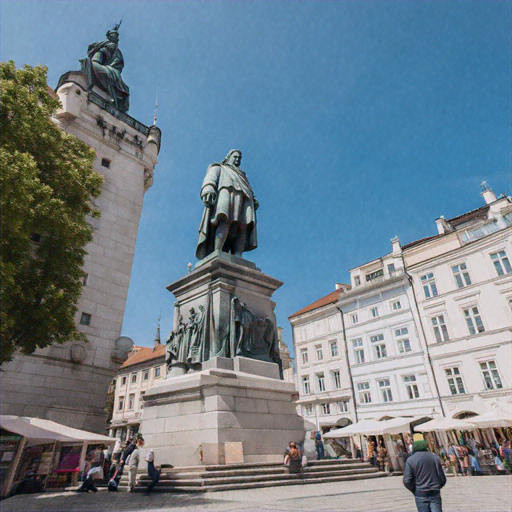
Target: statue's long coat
235, 203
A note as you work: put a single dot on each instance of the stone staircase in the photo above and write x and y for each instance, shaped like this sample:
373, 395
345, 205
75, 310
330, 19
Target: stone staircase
249, 476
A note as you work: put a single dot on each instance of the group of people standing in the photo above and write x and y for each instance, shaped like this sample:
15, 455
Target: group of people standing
126, 457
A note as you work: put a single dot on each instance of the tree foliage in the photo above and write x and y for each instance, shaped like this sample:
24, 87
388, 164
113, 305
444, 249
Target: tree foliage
47, 190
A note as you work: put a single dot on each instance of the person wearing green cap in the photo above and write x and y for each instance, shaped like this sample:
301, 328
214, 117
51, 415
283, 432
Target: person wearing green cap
424, 477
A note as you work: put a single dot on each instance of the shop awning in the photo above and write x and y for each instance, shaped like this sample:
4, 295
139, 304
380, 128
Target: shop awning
37, 430
496, 417
442, 424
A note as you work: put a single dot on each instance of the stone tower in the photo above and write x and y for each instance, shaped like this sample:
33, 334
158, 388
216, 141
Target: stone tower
68, 383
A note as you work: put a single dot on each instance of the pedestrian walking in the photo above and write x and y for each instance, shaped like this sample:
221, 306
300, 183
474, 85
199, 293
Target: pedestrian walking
424, 477
319, 446
153, 473
133, 464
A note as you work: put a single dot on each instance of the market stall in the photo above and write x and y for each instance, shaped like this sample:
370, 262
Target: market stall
42, 453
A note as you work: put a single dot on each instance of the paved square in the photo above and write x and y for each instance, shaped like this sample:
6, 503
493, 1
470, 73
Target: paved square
462, 494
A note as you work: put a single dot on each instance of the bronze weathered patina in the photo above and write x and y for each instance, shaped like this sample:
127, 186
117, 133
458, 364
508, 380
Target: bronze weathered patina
229, 218
103, 67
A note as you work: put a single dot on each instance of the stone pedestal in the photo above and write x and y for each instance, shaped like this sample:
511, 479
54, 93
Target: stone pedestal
213, 284
232, 405
221, 415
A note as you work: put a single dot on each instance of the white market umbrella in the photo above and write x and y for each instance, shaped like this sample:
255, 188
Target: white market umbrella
496, 417
400, 425
363, 427
441, 424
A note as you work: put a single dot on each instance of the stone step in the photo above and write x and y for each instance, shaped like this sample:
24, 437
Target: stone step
279, 469
291, 480
274, 477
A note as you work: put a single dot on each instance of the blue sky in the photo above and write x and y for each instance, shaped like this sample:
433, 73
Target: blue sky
358, 121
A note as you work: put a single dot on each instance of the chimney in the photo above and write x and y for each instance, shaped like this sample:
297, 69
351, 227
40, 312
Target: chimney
443, 226
487, 193
395, 244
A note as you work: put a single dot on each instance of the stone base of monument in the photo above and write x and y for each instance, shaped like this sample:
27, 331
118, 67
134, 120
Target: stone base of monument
232, 411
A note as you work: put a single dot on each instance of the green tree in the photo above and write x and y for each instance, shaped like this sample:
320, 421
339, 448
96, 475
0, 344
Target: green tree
47, 187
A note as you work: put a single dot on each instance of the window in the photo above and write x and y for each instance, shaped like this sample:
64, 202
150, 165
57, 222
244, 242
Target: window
490, 374
320, 382
120, 404
133, 378
157, 371
85, 319
440, 329
454, 379
123, 381
354, 318
379, 346
374, 312
304, 355
146, 375
131, 401
141, 398
395, 306
319, 353
428, 282
105, 162
363, 391
305, 385
402, 340
473, 320
307, 410
461, 275
326, 408
358, 350
343, 406
385, 390
391, 268
411, 387
501, 263
334, 349
374, 275
336, 379
357, 281
85, 278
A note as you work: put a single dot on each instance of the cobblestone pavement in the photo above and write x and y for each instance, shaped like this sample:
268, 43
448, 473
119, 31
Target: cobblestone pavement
463, 494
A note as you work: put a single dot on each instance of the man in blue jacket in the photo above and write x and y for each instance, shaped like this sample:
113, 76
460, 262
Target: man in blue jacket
424, 477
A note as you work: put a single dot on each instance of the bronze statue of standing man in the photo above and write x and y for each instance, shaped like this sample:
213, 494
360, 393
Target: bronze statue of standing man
229, 218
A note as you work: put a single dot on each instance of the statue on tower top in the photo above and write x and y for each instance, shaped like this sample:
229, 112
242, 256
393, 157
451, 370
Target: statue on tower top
103, 67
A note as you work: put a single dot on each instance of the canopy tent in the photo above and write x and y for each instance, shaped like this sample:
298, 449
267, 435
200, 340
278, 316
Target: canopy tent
402, 425
363, 427
377, 428
37, 430
496, 417
441, 424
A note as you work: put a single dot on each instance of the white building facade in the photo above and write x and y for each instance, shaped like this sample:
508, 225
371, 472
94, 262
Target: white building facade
462, 282
138, 373
386, 353
325, 395
423, 331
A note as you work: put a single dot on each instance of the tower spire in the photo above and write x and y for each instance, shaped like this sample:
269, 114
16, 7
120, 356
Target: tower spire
156, 108
157, 337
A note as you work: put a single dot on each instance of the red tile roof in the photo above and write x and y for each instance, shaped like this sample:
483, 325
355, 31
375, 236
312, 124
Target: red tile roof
145, 354
332, 298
